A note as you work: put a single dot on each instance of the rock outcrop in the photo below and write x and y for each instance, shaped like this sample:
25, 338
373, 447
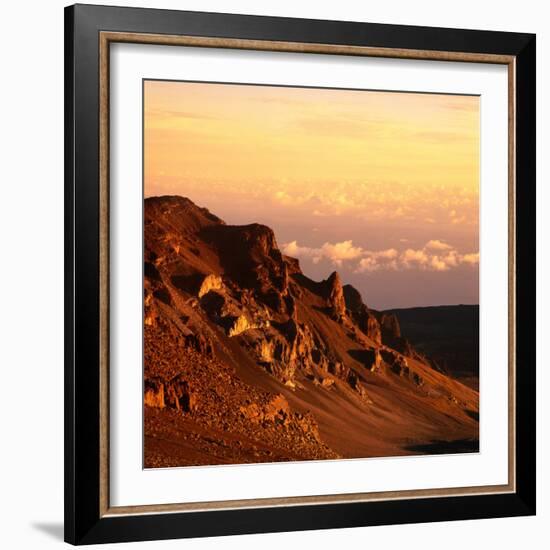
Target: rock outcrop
175, 394
391, 334
362, 316
335, 296
237, 325
210, 282
390, 327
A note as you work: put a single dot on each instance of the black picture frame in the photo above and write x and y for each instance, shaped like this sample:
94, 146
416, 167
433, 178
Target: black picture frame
84, 524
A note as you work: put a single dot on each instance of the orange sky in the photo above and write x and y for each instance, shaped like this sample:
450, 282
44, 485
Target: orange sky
382, 186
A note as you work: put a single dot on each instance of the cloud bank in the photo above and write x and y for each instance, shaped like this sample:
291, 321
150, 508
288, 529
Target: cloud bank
435, 255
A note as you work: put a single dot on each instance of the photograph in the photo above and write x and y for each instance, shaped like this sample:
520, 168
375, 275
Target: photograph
299, 274
310, 273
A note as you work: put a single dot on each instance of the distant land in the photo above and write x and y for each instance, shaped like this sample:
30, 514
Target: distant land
448, 335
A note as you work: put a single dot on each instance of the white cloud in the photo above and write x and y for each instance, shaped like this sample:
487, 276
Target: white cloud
376, 260
471, 258
336, 253
435, 255
453, 258
342, 251
388, 254
437, 245
437, 264
413, 257
294, 249
367, 264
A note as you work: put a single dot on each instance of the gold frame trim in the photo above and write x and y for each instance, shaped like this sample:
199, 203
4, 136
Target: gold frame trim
105, 39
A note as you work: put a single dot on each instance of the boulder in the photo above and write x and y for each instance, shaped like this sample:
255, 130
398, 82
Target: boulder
237, 325
154, 393
335, 295
373, 360
353, 299
390, 327
210, 282
179, 396
175, 394
361, 315
371, 327
278, 407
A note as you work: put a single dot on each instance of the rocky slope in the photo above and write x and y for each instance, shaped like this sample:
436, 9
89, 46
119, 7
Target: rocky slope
248, 360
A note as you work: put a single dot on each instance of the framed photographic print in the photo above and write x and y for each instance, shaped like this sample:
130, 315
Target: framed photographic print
299, 274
